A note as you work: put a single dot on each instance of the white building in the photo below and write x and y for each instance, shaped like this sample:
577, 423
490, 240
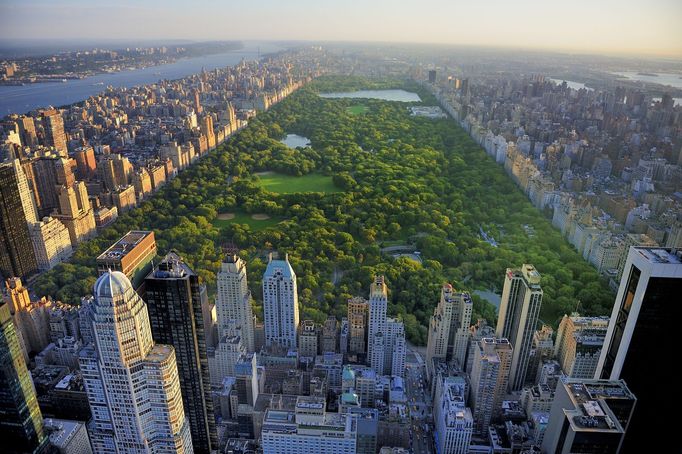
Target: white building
378, 306
68, 437
51, 242
308, 429
453, 420
233, 300
518, 318
280, 303
385, 336
132, 384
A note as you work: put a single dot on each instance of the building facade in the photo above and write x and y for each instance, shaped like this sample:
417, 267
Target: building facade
518, 318
132, 383
280, 303
174, 297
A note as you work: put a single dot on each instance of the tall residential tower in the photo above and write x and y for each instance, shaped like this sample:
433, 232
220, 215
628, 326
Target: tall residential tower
518, 318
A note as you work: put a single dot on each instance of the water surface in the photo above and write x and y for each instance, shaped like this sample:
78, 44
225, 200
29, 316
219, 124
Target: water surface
384, 95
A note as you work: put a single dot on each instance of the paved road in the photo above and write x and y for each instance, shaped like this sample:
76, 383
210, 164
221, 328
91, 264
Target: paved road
420, 403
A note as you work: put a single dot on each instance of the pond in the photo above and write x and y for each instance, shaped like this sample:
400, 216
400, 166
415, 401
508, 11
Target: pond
491, 297
384, 95
294, 141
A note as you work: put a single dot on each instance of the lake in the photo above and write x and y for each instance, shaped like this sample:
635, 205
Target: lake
673, 80
384, 95
571, 84
21, 99
491, 297
294, 141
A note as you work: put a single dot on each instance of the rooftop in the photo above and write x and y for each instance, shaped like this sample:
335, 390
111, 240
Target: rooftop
124, 245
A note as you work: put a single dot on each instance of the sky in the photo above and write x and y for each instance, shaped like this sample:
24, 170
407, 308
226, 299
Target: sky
634, 27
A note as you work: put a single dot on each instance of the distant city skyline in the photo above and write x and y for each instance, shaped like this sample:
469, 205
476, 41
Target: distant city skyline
612, 27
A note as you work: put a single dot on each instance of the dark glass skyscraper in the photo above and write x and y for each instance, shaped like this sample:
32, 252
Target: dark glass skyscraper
21, 423
16, 250
174, 299
639, 345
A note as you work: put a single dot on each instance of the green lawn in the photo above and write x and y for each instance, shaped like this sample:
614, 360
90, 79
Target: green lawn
245, 218
357, 109
288, 184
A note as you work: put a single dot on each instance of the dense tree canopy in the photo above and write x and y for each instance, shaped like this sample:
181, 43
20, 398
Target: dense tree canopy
405, 180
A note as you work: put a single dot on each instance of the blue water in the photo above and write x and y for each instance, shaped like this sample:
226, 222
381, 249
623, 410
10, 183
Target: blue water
294, 141
673, 80
385, 95
21, 99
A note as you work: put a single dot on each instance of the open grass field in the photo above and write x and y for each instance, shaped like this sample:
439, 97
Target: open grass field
258, 221
288, 184
357, 109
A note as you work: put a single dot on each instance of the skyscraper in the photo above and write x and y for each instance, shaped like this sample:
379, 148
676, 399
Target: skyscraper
16, 250
489, 380
132, 384
357, 319
579, 344
452, 418
174, 297
591, 416
518, 318
449, 327
233, 299
21, 423
280, 303
53, 124
376, 333
647, 309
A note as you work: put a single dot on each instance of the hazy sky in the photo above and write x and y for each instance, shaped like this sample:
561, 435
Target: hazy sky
611, 26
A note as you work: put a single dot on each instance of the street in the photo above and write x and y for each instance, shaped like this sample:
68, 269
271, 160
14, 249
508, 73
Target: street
420, 403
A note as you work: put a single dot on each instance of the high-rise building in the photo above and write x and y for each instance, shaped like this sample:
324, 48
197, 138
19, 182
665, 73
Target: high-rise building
489, 380
132, 383
21, 422
51, 243
449, 328
53, 124
518, 318
579, 343
233, 299
86, 164
175, 297
309, 429
27, 131
357, 319
32, 320
591, 416
307, 339
647, 305
376, 333
16, 250
452, 418
76, 212
207, 130
543, 350
132, 254
280, 303
330, 331
25, 193
68, 437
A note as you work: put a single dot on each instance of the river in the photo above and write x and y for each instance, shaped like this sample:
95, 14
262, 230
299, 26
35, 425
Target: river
21, 99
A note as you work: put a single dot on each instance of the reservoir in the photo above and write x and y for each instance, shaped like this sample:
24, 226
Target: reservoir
21, 99
294, 141
384, 95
